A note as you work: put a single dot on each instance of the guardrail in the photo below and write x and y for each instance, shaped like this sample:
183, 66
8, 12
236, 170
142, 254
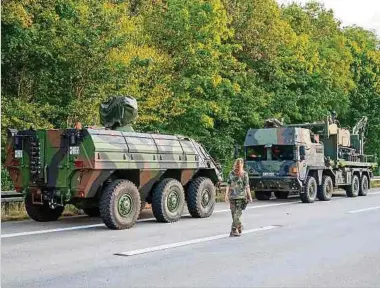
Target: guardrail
13, 196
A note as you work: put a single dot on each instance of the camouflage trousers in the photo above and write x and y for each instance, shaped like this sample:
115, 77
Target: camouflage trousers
236, 207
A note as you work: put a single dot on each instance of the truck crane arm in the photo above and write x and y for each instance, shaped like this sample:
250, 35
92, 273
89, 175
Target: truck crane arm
360, 127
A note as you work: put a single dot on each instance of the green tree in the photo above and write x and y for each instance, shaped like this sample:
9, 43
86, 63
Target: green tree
365, 98
208, 83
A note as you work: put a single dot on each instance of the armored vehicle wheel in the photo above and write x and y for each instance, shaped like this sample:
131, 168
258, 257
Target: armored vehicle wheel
326, 189
92, 212
281, 195
120, 204
168, 200
353, 189
201, 197
363, 185
310, 192
42, 213
263, 195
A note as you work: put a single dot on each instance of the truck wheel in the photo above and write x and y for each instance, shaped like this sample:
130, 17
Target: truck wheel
168, 200
363, 186
310, 192
201, 197
42, 213
326, 189
353, 189
263, 195
92, 212
281, 195
120, 204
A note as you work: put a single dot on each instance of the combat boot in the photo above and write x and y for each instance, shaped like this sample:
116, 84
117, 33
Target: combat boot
240, 229
234, 233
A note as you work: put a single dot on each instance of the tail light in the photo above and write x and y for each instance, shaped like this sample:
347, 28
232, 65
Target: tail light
78, 164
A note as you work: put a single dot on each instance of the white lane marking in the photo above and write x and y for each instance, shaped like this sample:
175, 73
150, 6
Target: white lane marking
102, 225
254, 207
60, 229
373, 193
142, 220
189, 242
364, 209
49, 231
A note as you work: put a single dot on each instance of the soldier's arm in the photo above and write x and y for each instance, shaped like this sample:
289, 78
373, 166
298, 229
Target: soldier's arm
227, 194
247, 188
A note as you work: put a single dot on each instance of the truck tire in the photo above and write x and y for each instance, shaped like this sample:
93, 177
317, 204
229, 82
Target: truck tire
353, 189
263, 195
310, 190
42, 213
281, 195
201, 197
325, 190
363, 190
168, 200
92, 212
120, 204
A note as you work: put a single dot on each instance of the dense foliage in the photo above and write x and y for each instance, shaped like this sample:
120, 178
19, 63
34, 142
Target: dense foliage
207, 69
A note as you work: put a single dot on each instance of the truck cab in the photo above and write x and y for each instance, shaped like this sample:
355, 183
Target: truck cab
278, 160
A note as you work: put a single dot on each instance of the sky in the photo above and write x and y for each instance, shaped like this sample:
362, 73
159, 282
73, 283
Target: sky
364, 13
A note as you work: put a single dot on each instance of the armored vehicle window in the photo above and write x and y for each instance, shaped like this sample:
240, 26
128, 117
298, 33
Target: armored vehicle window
256, 153
282, 152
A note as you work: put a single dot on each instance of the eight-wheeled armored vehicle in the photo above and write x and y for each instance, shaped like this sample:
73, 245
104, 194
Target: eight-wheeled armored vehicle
111, 171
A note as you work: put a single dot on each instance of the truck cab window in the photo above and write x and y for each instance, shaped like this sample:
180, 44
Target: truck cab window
256, 153
282, 152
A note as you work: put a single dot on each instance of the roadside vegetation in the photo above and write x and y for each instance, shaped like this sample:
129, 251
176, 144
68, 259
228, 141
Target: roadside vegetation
207, 69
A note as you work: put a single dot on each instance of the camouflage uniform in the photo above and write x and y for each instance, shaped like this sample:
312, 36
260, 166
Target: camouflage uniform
237, 198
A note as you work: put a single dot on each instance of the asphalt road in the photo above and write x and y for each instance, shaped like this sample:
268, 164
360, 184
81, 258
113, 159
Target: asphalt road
286, 244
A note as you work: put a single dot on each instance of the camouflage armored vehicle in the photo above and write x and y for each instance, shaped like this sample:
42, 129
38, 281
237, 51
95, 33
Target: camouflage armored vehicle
112, 171
308, 159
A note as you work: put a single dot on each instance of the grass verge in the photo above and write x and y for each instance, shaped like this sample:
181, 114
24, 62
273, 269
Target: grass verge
16, 211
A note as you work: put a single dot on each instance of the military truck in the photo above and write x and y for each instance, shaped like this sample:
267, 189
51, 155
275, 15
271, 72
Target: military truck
309, 159
111, 171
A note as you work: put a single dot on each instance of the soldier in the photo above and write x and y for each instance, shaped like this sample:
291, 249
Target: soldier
237, 194
78, 125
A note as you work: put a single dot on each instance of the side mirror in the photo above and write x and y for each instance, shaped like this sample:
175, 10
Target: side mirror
302, 153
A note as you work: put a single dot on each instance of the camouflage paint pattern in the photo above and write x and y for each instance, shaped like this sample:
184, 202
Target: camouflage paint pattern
328, 151
75, 164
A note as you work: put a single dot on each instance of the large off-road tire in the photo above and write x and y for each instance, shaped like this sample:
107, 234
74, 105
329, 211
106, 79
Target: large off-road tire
120, 204
364, 185
92, 212
168, 200
281, 195
201, 197
353, 189
42, 213
263, 195
310, 190
325, 190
